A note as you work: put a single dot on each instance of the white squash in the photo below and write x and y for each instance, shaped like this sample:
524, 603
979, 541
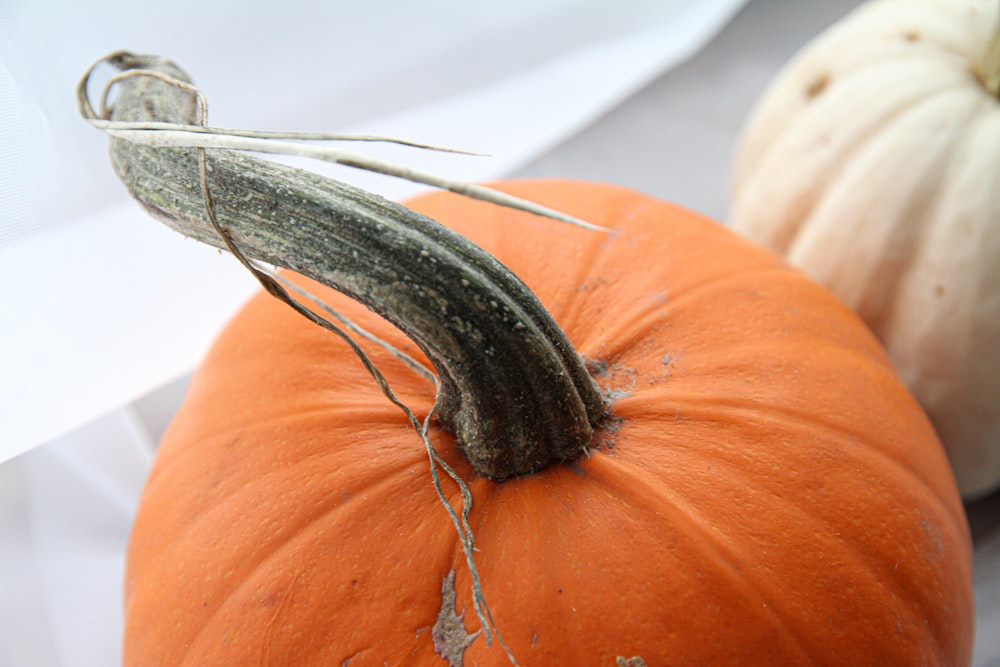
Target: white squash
873, 162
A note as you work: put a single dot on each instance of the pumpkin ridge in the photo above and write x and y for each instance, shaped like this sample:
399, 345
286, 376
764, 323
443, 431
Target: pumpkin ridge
957, 64
911, 599
723, 280
959, 378
288, 540
934, 39
377, 475
378, 414
918, 18
855, 445
643, 485
904, 107
902, 241
930, 215
832, 92
957, 152
637, 320
931, 17
689, 408
856, 440
268, 635
572, 310
749, 175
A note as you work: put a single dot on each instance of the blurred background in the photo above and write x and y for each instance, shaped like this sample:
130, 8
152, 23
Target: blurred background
103, 313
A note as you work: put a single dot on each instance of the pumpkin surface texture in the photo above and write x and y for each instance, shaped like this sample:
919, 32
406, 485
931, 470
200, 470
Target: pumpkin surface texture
765, 491
872, 161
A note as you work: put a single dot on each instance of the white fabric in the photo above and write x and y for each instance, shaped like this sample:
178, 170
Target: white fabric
65, 512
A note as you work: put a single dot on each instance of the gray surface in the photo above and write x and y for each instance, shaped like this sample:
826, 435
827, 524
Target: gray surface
676, 139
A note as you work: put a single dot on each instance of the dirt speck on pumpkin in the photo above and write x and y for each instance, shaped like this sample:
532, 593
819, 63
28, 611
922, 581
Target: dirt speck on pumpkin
450, 637
598, 368
817, 86
634, 661
347, 661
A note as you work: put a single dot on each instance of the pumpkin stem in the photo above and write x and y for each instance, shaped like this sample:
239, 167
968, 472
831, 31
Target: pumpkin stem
989, 67
513, 390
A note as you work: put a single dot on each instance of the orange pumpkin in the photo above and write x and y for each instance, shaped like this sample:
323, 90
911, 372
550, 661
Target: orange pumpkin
766, 493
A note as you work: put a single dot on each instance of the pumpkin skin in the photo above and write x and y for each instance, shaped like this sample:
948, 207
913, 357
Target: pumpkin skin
770, 494
872, 162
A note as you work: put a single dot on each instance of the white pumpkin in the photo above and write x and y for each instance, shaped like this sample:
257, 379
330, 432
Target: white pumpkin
873, 162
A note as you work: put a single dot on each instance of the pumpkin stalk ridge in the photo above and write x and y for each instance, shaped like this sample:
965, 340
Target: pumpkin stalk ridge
513, 390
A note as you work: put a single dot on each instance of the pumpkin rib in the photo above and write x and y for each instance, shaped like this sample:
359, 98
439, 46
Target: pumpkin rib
755, 180
856, 440
813, 230
865, 78
264, 472
234, 498
739, 278
269, 634
955, 40
979, 115
569, 311
855, 444
746, 411
759, 168
929, 217
499, 557
289, 541
866, 559
906, 330
642, 485
377, 414
599, 470
812, 246
636, 321
894, 60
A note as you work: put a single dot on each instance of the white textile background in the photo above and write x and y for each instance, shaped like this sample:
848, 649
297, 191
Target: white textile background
103, 312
